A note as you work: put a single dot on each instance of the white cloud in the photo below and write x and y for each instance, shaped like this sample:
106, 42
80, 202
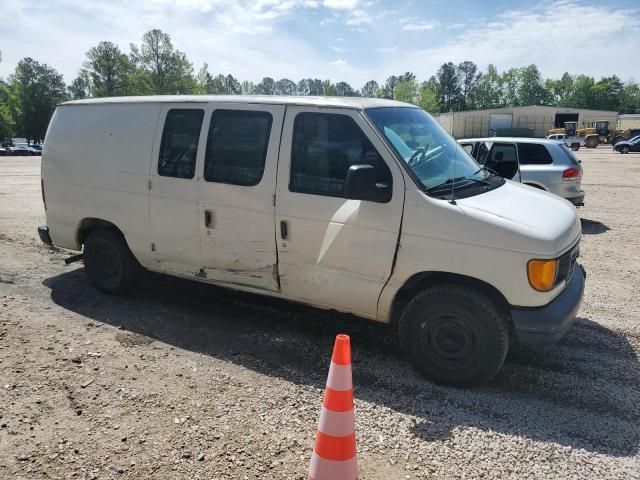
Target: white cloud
341, 4
359, 17
252, 38
420, 26
558, 37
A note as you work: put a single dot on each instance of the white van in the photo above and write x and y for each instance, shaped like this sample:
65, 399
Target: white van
360, 205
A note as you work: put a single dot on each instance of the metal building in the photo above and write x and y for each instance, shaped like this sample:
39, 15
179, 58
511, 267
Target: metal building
478, 123
630, 120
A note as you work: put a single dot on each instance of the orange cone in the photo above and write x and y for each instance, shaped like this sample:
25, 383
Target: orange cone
334, 453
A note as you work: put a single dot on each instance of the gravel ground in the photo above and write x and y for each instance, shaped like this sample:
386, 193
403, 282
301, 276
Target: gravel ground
183, 380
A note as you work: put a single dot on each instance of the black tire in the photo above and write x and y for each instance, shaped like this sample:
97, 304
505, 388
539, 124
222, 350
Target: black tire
454, 335
575, 147
111, 266
624, 149
591, 142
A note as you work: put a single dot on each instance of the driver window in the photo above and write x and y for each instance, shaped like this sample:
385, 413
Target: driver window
325, 145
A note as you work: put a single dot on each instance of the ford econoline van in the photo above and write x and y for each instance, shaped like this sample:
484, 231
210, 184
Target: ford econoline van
365, 206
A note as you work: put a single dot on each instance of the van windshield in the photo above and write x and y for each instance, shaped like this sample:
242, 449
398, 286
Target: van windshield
433, 156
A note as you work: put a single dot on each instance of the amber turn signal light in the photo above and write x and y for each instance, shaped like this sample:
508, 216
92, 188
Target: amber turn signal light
542, 274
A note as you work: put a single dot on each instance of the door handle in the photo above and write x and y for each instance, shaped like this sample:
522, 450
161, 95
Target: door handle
208, 218
283, 230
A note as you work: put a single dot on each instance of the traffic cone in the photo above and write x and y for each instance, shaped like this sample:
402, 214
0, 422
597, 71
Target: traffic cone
334, 453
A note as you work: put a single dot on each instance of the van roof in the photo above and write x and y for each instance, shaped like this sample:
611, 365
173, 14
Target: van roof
339, 102
509, 139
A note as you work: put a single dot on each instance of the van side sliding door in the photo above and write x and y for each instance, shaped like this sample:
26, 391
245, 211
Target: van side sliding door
173, 195
236, 195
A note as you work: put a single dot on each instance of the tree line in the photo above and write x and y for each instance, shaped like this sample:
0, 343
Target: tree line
154, 67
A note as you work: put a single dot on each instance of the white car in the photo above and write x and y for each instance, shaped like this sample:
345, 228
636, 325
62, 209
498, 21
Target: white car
574, 143
537, 162
361, 205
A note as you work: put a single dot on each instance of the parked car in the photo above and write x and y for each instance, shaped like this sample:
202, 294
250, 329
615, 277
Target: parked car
627, 146
541, 163
29, 149
18, 151
3, 151
360, 205
574, 143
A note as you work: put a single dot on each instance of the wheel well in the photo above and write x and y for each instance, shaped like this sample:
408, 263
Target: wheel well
423, 280
89, 224
535, 185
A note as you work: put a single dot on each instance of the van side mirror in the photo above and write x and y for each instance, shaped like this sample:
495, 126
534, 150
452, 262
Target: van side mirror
360, 184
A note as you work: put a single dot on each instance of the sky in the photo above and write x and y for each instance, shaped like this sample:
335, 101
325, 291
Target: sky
342, 40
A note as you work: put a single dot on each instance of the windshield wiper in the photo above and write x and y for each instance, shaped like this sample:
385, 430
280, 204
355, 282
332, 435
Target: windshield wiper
491, 173
449, 181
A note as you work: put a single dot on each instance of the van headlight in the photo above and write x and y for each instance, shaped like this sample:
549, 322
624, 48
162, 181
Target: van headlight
542, 274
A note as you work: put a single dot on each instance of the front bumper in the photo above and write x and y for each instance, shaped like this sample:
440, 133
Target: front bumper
548, 324
43, 233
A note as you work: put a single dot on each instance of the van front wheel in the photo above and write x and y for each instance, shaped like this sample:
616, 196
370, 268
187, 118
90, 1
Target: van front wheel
454, 335
111, 266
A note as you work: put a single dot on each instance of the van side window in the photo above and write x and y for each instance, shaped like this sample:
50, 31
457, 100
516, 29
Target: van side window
179, 145
325, 145
237, 146
533, 154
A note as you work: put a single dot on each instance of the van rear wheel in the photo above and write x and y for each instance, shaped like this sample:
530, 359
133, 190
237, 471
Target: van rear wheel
111, 266
454, 335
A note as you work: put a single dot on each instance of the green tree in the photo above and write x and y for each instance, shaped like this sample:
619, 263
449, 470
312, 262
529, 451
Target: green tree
329, 89
285, 86
561, 90
37, 89
468, 78
630, 98
370, 89
406, 91
510, 85
109, 70
583, 96
7, 121
159, 68
428, 98
448, 86
247, 87
203, 81
82, 86
343, 89
531, 90
266, 87
487, 93
607, 93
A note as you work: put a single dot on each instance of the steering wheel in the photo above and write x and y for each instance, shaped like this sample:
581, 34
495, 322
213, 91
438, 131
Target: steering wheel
417, 156
427, 156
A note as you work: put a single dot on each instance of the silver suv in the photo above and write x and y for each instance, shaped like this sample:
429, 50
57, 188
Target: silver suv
540, 163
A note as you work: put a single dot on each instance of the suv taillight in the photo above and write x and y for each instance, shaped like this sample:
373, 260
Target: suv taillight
42, 190
571, 174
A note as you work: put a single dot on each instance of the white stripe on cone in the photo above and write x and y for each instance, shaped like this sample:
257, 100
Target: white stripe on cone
321, 469
336, 424
339, 377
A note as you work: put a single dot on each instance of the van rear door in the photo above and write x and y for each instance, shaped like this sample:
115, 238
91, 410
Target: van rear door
236, 194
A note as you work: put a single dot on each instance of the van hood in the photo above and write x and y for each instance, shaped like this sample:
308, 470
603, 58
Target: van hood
540, 222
